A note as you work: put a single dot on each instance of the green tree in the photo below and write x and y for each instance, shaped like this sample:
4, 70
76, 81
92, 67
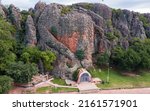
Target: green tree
5, 84
47, 58
34, 55
103, 59
131, 60
80, 54
7, 30
21, 72
125, 59
6, 55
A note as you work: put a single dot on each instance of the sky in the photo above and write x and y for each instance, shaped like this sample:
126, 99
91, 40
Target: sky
142, 6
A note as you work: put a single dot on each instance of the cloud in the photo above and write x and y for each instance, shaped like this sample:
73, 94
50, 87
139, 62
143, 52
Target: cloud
136, 5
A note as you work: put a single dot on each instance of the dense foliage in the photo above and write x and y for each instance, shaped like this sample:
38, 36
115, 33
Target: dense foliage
33, 55
5, 84
80, 54
136, 57
21, 72
18, 61
103, 59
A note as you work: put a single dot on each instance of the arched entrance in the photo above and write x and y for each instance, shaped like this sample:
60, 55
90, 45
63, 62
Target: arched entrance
83, 76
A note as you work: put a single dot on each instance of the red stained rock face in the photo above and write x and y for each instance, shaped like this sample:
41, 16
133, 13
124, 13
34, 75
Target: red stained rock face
70, 42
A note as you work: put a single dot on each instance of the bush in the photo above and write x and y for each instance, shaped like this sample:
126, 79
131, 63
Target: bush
117, 13
54, 31
5, 84
88, 6
110, 36
125, 59
34, 55
80, 54
144, 20
75, 75
66, 10
20, 72
103, 59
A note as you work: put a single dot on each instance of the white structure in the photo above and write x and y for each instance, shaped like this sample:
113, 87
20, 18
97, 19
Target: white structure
84, 76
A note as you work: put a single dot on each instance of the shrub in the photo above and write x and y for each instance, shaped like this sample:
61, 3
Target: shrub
54, 31
75, 75
20, 72
110, 36
103, 59
144, 20
80, 54
5, 84
88, 6
66, 10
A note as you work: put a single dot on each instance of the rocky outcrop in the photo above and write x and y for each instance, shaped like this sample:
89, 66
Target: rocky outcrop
30, 32
128, 24
2, 13
15, 16
93, 28
83, 27
39, 7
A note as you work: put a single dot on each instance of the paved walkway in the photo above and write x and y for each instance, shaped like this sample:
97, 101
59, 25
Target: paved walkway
87, 87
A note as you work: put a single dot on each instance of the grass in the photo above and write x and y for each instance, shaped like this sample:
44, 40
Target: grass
119, 81
59, 81
50, 89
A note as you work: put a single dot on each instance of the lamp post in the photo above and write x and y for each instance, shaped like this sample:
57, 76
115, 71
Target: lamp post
108, 74
107, 80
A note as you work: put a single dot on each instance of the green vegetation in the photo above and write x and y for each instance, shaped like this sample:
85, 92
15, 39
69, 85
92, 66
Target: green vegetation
49, 89
59, 81
17, 61
20, 72
146, 24
103, 59
5, 84
144, 20
116, 33
88, 6
117, 13
54, 31
33, 55
117, 80
109, 23
80, 54
75, 75
110, 36
136, 57
66, 10
7, 31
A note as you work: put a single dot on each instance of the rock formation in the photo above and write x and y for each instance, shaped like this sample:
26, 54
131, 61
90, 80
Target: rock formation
15, 16
30, 32
93, 28
2, 13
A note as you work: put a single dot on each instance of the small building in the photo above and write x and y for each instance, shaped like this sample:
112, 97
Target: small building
84, 76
